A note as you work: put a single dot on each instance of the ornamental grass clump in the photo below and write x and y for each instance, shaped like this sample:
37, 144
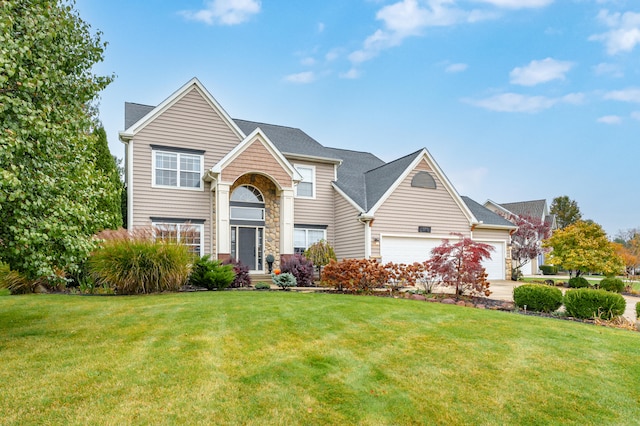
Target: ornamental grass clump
537, 297
134, 262
586, 303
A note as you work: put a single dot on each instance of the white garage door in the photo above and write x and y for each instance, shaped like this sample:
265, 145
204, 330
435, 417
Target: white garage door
409, 250
495, 265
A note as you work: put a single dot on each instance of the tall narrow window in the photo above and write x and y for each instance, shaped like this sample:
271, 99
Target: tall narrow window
306, 187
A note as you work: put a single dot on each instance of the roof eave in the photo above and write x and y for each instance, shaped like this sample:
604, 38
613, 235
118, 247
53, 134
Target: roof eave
295, 156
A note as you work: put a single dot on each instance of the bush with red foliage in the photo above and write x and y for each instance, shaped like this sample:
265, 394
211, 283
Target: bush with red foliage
301, 268
241, 270
355, 274
459, 265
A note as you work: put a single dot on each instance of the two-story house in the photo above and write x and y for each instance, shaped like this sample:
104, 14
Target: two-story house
252, 189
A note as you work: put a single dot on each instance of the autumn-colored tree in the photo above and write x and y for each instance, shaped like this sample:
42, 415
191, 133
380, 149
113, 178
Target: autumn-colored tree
566, 210
627, 244
526, 242
584, 247
459, 265
320, 254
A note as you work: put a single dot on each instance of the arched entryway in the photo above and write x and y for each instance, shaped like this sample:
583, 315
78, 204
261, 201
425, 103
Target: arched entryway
247, 214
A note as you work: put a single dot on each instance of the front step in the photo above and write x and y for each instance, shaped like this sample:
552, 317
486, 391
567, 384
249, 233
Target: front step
260, 277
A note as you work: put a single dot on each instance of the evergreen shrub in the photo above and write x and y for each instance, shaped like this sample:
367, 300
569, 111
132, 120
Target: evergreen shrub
211, 274
537, 297
615, 285
586, 303
578, 282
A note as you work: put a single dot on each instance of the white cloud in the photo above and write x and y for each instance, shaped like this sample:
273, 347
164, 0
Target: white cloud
351, 74
610, 119
518, 4
301, 77
515, 102
608, 69
454, 68
627, 95
224, 12
635, 115
408, 18
623, 34
540, 72
320, 27
308, 61
333, 54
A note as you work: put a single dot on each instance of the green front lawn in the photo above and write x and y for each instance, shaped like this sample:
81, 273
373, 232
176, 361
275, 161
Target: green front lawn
287, 358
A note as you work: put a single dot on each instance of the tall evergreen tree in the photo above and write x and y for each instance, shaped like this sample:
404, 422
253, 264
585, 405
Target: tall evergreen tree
50, 187
106, 163
566, 210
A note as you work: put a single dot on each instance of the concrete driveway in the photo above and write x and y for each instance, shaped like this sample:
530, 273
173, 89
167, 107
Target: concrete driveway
503, 290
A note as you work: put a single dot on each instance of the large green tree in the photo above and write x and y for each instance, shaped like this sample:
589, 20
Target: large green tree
566, 210
106, 163
584, 247
50, 187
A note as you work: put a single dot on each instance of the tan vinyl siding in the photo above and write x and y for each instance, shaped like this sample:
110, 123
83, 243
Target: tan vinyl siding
349, 242
490, 234
409, 207
256, 158
318, 211
189, 123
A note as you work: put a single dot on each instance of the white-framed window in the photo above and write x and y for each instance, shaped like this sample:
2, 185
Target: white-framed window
304, 237
306, 188
177, 169
187, 233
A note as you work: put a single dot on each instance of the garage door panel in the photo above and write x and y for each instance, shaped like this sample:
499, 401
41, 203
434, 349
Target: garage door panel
409, 250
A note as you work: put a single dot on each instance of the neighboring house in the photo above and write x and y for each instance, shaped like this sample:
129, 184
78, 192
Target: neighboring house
536, 209
251, 189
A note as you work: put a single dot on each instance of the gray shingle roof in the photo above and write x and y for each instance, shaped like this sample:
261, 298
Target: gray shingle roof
380, 179
535, 208
288, 140
485, 215
134, 112
351, 173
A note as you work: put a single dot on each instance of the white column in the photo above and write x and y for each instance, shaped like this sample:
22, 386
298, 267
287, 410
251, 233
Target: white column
223, 226
286, 221
367, 239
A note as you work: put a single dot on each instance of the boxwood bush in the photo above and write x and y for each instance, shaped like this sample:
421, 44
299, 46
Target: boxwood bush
586, 303
578, 282
615, 285
638, 310
549, 269
537, 297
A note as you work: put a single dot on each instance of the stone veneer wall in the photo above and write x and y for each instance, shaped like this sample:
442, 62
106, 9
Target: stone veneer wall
272, 213
508, 264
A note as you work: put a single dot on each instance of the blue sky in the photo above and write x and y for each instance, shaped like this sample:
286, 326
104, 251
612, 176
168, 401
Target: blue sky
516, 99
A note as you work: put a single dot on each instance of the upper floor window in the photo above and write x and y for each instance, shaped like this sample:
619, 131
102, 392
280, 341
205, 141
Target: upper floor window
177, 169
306, 188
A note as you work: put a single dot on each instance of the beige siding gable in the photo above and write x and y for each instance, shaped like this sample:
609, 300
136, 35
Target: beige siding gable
318, 210
256, 158
349, 243
409, 207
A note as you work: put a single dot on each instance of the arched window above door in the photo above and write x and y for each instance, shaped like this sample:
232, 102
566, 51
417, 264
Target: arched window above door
247, 194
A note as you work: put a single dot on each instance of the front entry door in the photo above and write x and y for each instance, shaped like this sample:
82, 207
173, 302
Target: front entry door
247, 246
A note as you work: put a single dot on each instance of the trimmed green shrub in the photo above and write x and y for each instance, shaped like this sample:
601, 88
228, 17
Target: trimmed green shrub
549, 269
578, 282
211, 274
135, 262
284, 280
615, 285
638, 310
587, 303
537, 297
262, 286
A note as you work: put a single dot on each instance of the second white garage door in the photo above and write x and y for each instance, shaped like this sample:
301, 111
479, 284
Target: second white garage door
413, 249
